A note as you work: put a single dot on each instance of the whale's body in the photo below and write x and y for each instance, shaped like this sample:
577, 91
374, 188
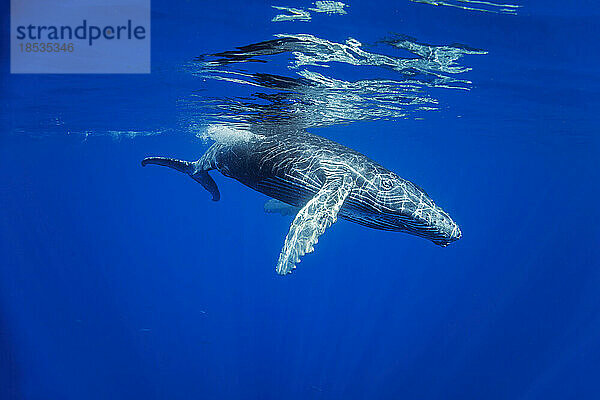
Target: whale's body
323, 179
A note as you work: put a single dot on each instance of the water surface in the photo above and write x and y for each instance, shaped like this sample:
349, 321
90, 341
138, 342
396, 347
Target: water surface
122, 282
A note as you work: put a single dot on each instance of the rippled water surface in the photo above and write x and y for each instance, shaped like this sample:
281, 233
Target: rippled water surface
124, 282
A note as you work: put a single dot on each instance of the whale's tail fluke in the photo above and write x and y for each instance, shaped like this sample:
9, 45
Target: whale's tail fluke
191, 168
179, 165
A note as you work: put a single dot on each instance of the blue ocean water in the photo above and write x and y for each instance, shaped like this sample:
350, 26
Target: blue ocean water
124, 282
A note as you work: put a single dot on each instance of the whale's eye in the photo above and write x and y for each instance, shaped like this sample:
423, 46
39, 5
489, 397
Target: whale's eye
387, 183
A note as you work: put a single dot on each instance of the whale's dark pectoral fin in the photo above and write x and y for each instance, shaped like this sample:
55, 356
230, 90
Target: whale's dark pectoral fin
191, 168
312, 220
203, 178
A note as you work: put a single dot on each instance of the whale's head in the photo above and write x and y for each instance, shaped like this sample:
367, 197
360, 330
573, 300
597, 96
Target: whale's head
404, 207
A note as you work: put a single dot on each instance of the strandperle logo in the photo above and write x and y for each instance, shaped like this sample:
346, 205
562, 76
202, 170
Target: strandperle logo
84, 31
80, 36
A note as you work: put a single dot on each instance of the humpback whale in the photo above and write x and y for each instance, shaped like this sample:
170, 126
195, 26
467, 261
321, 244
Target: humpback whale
321, 179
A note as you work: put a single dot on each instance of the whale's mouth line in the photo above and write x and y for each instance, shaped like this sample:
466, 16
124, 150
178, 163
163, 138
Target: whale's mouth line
438, 234
405, 224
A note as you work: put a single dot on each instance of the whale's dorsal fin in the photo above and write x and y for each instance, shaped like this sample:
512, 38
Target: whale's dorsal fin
312, 220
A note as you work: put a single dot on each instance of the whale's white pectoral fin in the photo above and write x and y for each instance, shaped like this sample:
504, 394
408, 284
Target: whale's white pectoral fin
279, 207
312, 220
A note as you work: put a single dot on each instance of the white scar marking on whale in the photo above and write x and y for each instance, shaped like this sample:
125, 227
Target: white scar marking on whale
226, 135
